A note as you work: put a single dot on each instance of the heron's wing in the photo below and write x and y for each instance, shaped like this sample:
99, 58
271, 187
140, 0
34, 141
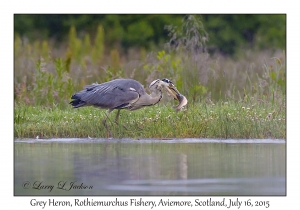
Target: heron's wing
109, 96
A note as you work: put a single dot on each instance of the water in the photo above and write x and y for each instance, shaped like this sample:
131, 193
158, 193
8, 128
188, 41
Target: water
149, 167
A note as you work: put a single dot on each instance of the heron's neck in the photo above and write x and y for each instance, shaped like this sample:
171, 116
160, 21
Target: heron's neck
147, 100
155, 97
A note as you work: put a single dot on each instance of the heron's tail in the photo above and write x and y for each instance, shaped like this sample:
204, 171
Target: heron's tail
76, 103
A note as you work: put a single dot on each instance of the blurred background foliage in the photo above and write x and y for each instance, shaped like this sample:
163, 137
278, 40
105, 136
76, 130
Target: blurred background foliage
226, 32
209, 58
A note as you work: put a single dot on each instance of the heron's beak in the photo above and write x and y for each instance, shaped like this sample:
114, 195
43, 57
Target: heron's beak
173, 91
177, 95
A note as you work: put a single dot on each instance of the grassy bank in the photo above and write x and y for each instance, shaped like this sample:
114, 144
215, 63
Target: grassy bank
201, 120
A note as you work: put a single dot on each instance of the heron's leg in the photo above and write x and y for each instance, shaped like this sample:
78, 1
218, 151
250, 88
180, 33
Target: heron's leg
117, 117
104, 122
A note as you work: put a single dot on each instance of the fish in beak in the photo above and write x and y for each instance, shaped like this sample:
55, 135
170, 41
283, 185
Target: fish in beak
172, 90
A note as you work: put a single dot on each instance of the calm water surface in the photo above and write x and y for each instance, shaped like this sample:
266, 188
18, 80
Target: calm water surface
149, 167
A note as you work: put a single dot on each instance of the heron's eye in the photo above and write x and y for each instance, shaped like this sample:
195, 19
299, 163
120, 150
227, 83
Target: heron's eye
167, 80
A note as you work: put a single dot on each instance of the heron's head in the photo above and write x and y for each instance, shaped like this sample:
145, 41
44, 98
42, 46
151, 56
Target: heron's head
171, 89
168, 85
159, 84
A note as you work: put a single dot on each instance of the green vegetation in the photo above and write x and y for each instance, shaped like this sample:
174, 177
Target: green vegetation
221, 120
242, 96
227, 32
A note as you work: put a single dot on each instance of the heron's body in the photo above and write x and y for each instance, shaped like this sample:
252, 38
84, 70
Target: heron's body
116, 94
124, 94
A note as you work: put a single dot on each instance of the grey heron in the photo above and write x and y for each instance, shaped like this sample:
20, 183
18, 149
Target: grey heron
125, 94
